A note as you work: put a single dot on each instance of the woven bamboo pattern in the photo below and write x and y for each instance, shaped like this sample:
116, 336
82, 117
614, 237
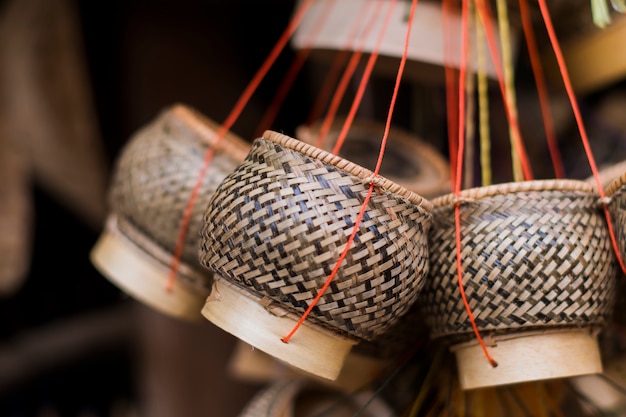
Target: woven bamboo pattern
534, 254
156, 172
278, 224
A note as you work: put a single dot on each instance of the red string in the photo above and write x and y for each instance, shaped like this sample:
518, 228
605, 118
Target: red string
364, 80
347, 75
292, 73
511, 117
459, 174
327, 86
541, 89
451, 93
375, 173
581, 128
230, 120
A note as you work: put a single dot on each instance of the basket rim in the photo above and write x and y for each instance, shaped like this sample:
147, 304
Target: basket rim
418, 151
346, 165
475, 193
616, 184
207, 129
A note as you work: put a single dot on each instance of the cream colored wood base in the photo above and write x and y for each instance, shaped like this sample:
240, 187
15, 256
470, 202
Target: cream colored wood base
143, 277
311, 349
530, 356
250, 364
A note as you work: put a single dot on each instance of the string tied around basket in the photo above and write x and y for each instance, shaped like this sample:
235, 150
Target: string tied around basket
379, 161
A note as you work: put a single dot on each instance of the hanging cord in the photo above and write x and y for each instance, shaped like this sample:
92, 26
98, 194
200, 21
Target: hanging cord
337, 65
470, 113
485, 17
228, 123
581, 128
376, 170
326, 90
292, 73
504, 28
347, 75
483, 103
451, 89
363, 85
459, 172
535, 61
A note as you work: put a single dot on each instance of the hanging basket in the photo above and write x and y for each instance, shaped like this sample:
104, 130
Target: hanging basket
539, 275
275, 229
151, 186
409, 160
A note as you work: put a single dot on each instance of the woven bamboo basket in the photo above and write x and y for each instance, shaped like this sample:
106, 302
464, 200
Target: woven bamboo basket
409, 160
151, 186
539, 275
273, 232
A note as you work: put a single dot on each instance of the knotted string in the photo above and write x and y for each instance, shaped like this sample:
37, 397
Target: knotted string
378, 163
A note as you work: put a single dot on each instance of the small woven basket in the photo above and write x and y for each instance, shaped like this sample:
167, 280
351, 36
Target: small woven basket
539, 275
152, 183
275, 229
409, 160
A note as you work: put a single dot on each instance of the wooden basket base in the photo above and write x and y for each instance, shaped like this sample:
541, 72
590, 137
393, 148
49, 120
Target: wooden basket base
529, 356
143, 277
312, 349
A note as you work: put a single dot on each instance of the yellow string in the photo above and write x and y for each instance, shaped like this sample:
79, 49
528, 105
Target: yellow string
509, 83
483, 103
470, 129
422, 395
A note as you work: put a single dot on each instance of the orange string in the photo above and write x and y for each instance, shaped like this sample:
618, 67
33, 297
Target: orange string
327, 86
459, 174
511, 116
375, 173
364, 80
541, 89
347, 74
581, 128
451, 97
230, 120
292, 73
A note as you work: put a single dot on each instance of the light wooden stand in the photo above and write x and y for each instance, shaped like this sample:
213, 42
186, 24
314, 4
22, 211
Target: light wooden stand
143, 277
530, 356
311, 349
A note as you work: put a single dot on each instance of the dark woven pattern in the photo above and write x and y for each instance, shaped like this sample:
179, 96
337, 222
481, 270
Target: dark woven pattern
153, 181
279, 223
530, 258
